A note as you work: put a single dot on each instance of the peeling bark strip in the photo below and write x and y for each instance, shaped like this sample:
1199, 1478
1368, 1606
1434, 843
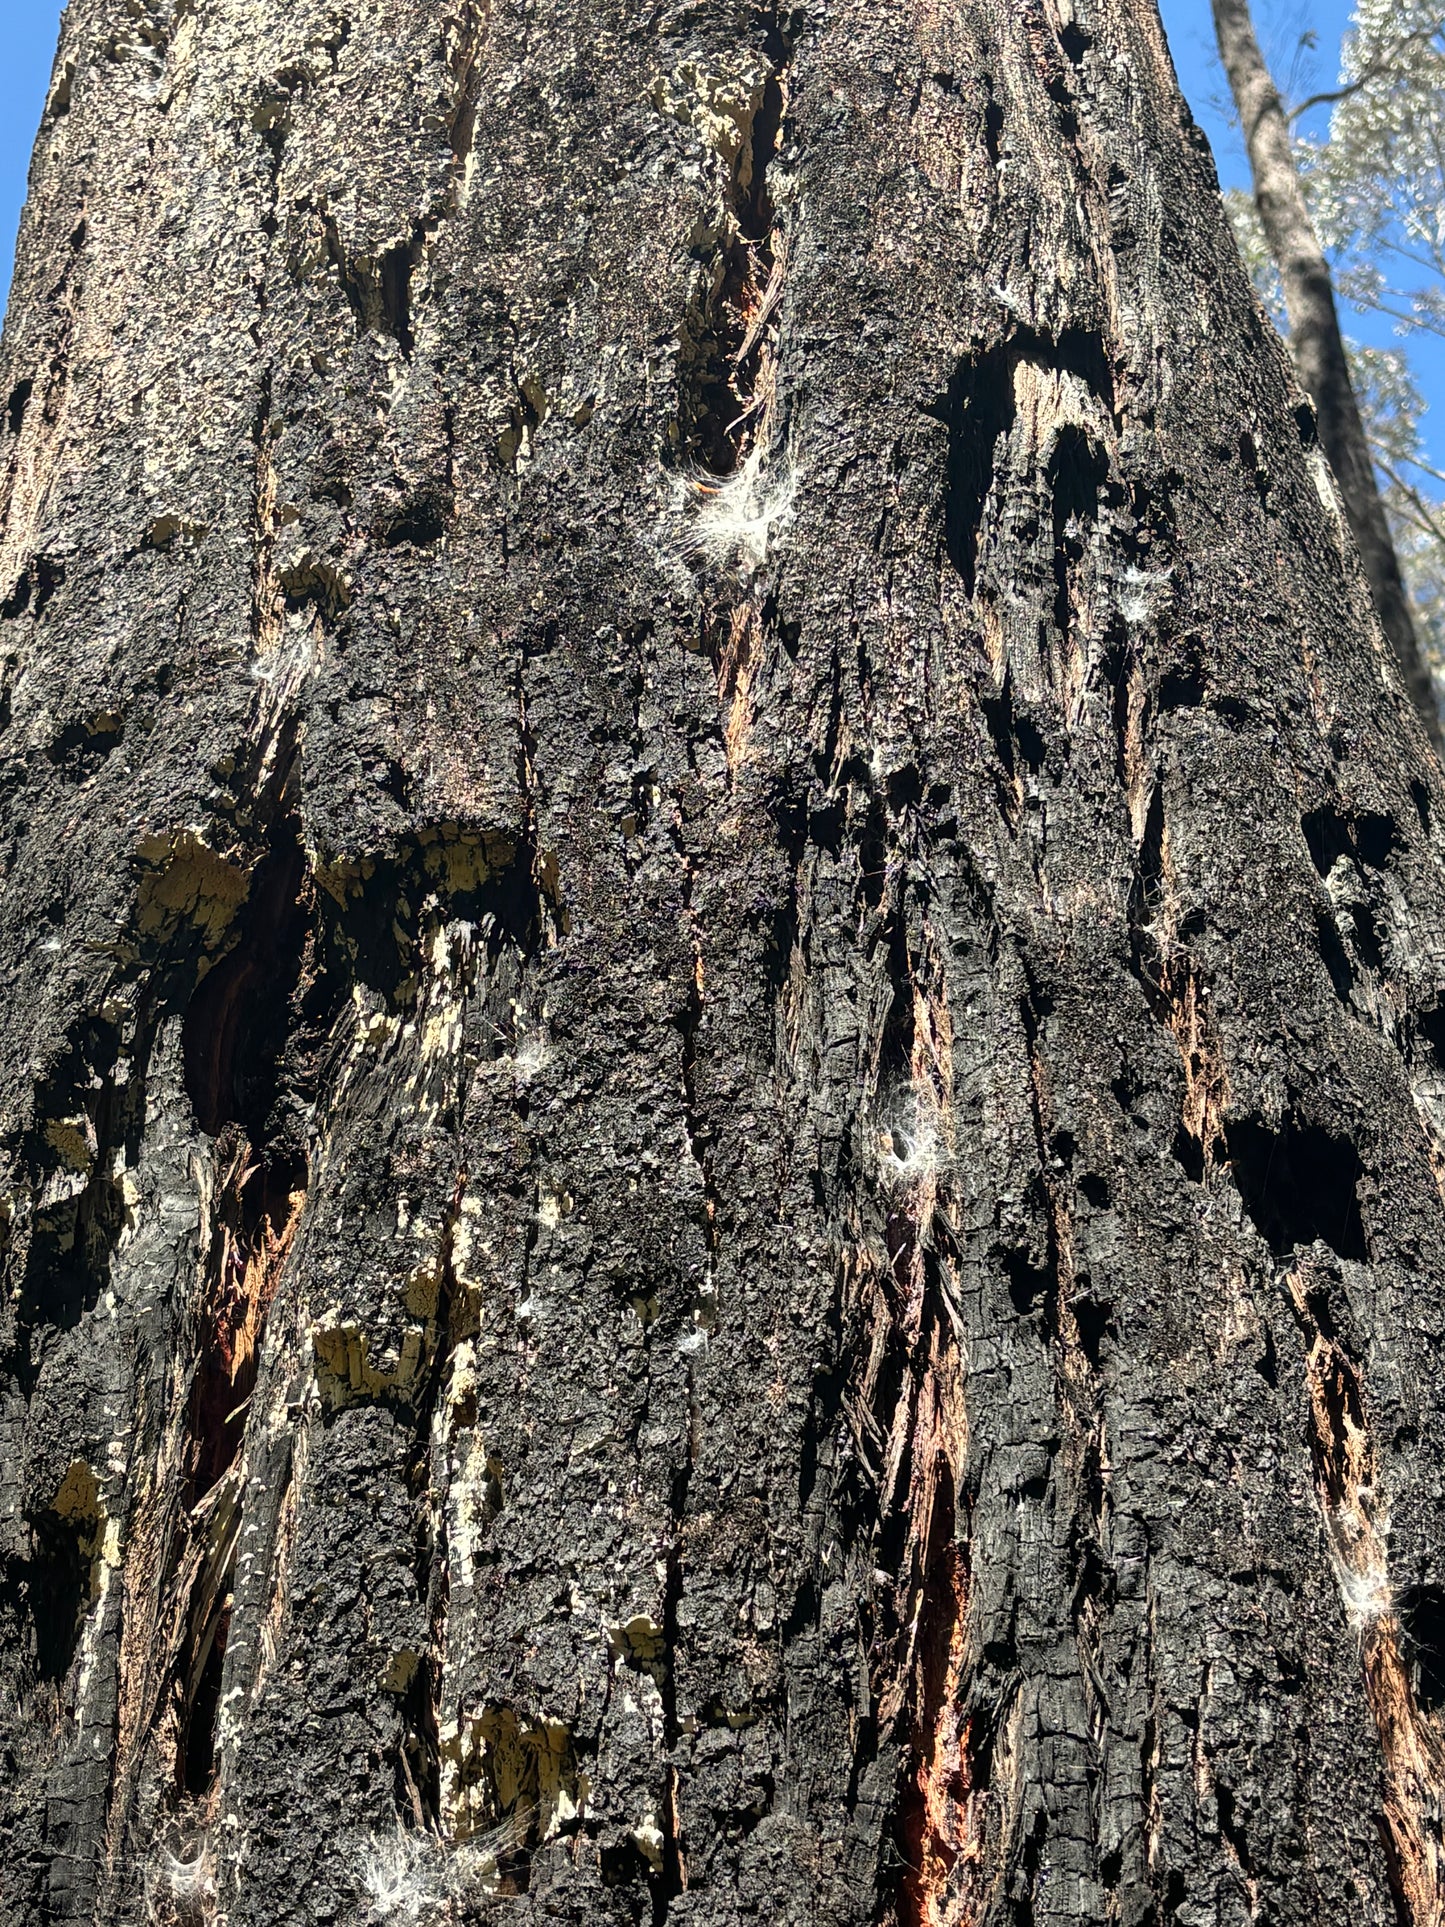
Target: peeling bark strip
721, 1141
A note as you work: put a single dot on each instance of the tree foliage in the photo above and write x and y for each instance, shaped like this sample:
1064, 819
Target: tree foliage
1376, 185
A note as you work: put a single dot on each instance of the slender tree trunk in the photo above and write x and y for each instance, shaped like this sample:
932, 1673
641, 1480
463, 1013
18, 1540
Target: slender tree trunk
722, 935
1315, 339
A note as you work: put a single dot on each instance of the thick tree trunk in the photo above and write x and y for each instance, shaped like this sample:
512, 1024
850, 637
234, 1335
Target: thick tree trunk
723, 937
1315, 339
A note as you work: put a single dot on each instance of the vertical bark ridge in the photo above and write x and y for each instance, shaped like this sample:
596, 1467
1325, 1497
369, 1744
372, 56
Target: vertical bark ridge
714, 879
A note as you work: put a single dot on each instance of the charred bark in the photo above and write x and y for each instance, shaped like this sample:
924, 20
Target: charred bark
725, 1077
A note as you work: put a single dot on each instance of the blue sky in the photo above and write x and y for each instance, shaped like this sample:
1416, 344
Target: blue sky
28, 30
27, 44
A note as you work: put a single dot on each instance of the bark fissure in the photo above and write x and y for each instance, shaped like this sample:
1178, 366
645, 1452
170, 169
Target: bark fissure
706, 873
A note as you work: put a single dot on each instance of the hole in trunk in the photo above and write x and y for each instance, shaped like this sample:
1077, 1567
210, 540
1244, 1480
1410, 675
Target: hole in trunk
1299, 1183
1422, 1616
59, 1575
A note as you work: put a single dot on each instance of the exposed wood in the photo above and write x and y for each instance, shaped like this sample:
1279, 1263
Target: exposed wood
723, 933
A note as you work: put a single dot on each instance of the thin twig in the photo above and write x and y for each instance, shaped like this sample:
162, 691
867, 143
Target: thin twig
1423, 518
1373, 71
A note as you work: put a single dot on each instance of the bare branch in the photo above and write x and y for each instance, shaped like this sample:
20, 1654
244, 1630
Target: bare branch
1424, 516
1377, 66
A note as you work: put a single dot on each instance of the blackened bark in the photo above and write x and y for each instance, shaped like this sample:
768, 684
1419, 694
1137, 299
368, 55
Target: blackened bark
1315, 339
723, 939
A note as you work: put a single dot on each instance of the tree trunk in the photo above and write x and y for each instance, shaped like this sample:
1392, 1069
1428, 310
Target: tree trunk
724, 939
1315, 339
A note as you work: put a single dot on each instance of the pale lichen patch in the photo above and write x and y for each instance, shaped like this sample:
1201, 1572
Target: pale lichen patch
647, 1837
720, 101
73, 1140
400, 1670
183, 880
344, 1369
638, 1643
496, 1766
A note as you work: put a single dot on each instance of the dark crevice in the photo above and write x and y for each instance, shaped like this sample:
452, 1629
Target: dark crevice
1368, 938
727, 383
396, 267
1061, 93
1422, 1620
1188, 1153
419, 522
1377, 837
1094, 1317
927, 1787
378, 294
978, 411
1300, 1183
1078, 470
1420, 797
1327, 833
15, 408
1429, 1026
979, 408
1031, 1287
1367, 836
234, 1039
196, 1757
1079, 351
57, 1577
1249, 456
1267, 1364
1181, 689
353, 285
1116, 668
1075, 43
671, 1879
236, 1024
80, 749
36, 585
1145, 895
993, 124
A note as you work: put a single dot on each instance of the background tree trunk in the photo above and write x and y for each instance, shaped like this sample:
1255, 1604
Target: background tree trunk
723, 936
1315, 339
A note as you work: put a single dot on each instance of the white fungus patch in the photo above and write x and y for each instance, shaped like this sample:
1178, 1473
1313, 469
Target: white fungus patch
1138, 594
403, 1876
908, 1149
181, 1885
417, 1877
733, 521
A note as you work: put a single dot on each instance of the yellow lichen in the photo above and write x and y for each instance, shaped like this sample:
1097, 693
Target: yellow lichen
423, 1289
637, 1642
494, 1764
345, 1373
73, 1139
184, 881
720, 102
476, 1492
400, 1671
463, 860
79, 1496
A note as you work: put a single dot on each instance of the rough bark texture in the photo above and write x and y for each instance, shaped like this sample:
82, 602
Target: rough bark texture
1315, 339
723, 935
